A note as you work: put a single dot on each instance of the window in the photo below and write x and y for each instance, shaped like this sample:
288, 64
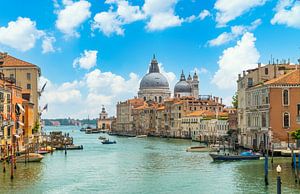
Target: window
28, 76
28, 86
179, 115
11, 76
263, 120
8, 98
286, 120
155, 99
285, 97
298, 109
160, 99
250, 82
144, 98
266, 71
1, 96
179, 108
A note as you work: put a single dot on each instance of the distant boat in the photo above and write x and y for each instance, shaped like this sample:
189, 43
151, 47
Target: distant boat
82, 129
102, 138
106, 141
141, 136
199, 149
242, 156
33, 157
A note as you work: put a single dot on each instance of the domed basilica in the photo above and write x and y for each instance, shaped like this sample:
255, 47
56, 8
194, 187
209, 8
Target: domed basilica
155, 86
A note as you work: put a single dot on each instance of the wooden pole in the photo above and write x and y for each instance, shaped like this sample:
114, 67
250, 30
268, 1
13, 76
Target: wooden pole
11, 163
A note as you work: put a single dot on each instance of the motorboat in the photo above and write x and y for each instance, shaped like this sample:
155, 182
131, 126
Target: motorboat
141, 136
82, 129
31, 157
107, 141
228, 157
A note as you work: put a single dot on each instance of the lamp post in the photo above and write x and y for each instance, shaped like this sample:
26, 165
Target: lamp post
278, 169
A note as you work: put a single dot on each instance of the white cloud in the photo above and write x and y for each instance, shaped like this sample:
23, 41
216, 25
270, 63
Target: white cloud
72, 16
88, 94
161, 21
87, 60
234, 60
203, 14
287, 13
108, 23
162, 14
21, 34
127, 13
228, 10
202, 70
47, 44
236, 31
112, 22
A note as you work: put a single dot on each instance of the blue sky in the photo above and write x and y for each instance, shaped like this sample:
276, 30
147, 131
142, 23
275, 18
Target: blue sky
95, 52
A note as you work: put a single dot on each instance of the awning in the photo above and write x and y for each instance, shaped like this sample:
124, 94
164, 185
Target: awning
20, 123
21, 107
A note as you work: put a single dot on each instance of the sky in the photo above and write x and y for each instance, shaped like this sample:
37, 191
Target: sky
95, 52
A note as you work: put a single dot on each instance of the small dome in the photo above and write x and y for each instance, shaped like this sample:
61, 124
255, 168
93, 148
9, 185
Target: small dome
154, 80
182, 86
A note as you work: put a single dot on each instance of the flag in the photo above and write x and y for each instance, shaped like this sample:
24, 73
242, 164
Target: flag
43, 88
45, 107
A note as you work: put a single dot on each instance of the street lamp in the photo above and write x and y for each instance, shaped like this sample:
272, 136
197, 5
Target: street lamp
278, 169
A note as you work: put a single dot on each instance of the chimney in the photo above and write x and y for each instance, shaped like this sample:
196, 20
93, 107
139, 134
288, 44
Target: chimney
217, 99
239, 76
259, 65
221, 100
244, 73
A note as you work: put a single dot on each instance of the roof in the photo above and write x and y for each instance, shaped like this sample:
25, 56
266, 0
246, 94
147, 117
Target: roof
10, 61
206, 113
292, 78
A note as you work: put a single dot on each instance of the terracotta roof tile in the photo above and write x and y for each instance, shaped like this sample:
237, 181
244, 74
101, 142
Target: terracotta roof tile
10, 61
292, 77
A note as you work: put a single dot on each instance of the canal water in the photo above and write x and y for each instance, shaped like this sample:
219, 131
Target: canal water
141, 165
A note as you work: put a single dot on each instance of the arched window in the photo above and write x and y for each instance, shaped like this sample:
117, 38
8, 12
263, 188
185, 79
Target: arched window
155, 99
285, 97
145, 98
160, 99
286, 120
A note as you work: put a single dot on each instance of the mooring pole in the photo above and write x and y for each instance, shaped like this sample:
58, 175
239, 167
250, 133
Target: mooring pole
266, 170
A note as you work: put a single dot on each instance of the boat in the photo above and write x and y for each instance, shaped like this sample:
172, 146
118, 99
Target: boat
102, 138
199, 149
106, 141
242, 156
82, 129
88, 131
289, 152
141, 136
33, 157
43, 152
70, 147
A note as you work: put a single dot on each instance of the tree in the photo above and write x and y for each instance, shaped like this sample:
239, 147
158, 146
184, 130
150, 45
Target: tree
235, 100
296, 134
36, 127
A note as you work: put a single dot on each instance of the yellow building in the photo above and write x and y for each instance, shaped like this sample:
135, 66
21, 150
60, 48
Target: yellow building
26, 76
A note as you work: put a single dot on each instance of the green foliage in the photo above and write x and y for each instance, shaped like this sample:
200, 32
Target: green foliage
296, 134
235, 100
36, 127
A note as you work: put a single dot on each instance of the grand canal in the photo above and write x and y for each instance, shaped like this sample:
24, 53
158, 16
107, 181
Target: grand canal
150, 165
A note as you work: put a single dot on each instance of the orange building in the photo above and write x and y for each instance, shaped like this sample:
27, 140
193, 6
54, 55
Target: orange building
14, 110
273, 110
284, 105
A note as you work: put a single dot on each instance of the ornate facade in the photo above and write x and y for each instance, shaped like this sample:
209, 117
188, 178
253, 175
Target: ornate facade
189, 87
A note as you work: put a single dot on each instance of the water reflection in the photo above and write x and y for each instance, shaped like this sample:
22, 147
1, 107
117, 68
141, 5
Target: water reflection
25, 176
